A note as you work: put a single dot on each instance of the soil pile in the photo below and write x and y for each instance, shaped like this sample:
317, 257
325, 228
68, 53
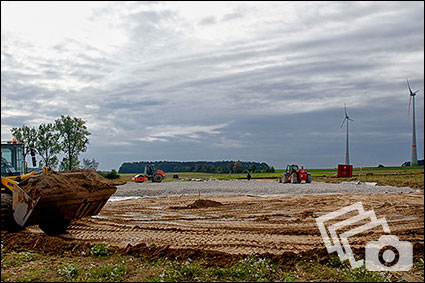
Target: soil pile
49, 245
201, 203
25, 241
53, 183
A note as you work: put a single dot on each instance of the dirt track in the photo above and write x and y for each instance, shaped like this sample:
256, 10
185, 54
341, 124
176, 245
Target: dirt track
243, 224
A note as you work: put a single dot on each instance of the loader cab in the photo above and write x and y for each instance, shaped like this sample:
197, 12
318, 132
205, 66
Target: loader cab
12, 159
292, 168
149, 170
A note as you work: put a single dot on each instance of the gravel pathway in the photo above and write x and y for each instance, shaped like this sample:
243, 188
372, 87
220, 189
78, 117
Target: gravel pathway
244, 187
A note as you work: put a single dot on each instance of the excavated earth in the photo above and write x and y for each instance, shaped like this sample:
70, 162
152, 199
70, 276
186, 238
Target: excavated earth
53, 183
215, 225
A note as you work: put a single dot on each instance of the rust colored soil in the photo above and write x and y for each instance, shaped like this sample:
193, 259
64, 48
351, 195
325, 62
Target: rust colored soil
204, 203
200, 203
53, 183
24, 241
242, 224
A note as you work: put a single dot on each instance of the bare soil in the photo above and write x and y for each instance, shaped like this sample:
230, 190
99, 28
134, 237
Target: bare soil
53, 183
241, 224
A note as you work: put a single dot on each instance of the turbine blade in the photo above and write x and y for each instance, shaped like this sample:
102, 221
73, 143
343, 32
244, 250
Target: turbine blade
345, 110
350, 119
343, 121
408, 109
408, 85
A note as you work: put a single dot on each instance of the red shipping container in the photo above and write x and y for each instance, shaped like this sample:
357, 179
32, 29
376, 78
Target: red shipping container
345, 170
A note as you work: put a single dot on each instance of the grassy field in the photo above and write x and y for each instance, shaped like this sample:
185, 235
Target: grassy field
104, 264
394, 176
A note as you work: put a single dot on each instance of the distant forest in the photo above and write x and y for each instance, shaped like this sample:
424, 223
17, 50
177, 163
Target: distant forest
198, 166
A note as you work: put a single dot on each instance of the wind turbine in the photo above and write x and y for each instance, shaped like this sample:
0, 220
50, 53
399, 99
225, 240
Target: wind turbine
413, 155
347, 155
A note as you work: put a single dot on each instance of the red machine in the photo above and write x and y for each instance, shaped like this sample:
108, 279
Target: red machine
150, 174
344, 170
294, 174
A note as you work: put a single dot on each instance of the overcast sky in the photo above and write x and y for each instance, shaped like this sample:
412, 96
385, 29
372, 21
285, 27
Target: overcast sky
251, 81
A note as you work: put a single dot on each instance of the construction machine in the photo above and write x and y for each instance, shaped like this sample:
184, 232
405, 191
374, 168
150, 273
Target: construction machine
52, 212
150, 173
294, 174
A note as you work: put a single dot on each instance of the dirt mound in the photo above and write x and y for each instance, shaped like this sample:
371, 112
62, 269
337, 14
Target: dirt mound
154, 253
200, 203
52, 183
24, 241
49, 245
117, 182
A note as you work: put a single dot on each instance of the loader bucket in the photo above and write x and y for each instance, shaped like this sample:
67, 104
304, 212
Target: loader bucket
68, 206
23, 206
61, 198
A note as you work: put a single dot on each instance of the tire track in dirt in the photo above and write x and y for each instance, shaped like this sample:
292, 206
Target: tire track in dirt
241, 225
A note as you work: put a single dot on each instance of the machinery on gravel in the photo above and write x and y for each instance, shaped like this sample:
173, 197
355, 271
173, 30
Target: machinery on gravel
52, 212
150, 173
294, 174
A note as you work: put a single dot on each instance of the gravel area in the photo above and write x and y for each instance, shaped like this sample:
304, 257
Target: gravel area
245, 187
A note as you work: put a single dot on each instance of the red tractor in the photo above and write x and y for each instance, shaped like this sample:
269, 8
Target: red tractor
150, 174
294, 175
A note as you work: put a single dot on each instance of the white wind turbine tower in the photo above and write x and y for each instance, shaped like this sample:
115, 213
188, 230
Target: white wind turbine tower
347, 155
413, 156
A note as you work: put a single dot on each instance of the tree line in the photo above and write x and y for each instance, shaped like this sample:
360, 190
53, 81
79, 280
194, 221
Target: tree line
66, 135
224, 167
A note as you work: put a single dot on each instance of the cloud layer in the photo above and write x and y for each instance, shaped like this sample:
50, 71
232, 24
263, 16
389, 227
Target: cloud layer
219, 80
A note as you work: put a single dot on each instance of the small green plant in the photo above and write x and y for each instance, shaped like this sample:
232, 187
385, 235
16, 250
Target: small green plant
69, 272
419, 262
100, 250
16, 259
361, 274
108, 272
26, 256
186, 271
335, 262
34, 273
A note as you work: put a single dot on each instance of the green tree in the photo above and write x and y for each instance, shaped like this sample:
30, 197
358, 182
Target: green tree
237, 167
74, 134
90, 164
47, 145
252, 168
65, 164
112, 175
26, 135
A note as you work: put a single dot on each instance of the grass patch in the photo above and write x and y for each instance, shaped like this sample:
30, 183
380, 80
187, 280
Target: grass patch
116, 268
100, 250
15, 259
412, 177
251, 269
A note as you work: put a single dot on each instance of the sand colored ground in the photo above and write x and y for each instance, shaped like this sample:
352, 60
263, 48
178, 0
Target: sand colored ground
242, 224
54, 183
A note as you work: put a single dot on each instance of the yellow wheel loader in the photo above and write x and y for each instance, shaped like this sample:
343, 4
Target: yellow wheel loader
53, 213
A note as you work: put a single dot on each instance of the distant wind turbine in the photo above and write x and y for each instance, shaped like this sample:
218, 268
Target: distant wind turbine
347, 155
413, 155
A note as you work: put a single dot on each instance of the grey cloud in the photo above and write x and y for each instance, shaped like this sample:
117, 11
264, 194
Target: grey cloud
138, 105
262, 90
208, 21
232, 16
